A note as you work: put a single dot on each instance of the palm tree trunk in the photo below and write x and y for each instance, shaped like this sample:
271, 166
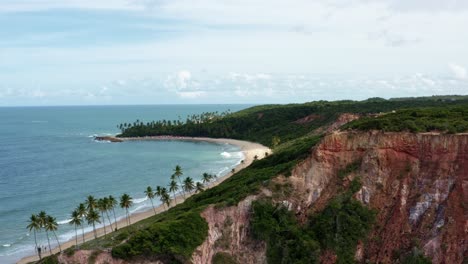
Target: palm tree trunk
115, 219
56, 238
48, 241
35, 241
128, 216
104, 223
76, 237
82, 232
175, 198
183, 191
94, 231
153, 206
110, 224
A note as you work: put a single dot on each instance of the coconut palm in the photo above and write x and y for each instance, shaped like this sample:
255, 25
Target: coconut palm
150, 194
206, 178
177, 173
91, 202
112, 204
43, 221
126, 202
82, 212
76, 221
101, 206
165, 197
93, 217
51, 225
188, 184
35, 225
199, 187
173, 187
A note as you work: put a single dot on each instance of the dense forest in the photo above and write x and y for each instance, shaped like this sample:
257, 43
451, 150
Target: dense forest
272, 124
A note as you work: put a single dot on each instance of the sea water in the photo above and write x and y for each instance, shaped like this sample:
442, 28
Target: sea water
50, 161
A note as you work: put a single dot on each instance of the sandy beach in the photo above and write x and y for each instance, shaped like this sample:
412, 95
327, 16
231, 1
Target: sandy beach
249, 149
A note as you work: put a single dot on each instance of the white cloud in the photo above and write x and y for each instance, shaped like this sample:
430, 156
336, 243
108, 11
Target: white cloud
191, 95
458, 71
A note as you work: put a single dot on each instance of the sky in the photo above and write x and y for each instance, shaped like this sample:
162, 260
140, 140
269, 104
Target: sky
107, 52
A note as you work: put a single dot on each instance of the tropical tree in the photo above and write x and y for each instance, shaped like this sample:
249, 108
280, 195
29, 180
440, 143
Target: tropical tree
177, 173
51, 225
91, 202
76, 221
206, 178
82, 212
43, 221
126, 202
111, 206
101, 206
199, 187
150, 194
165, 197
173, 187
93, 217
188, 185
35, 225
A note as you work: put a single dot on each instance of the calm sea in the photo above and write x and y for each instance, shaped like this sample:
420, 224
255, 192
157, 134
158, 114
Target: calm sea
49, 161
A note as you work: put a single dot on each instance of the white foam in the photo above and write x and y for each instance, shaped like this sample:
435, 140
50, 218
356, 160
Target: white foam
139, 200
6, 245
66, 221
226, 154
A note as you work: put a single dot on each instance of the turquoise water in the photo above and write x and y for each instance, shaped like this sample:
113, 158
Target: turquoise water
49, 161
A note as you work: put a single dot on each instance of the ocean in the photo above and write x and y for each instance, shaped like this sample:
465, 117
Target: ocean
49, 161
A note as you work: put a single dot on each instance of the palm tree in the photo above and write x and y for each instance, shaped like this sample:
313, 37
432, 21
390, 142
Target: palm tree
206, 178
91, 202
188, 184
150, 194
112, 204
165, 197
126, 202
199, 187
43, 221
82, 212
35, 225
102, 207
177, 173
51, 225
76, 221
93, 217
173, 187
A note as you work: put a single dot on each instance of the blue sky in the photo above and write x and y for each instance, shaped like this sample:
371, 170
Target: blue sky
73, 52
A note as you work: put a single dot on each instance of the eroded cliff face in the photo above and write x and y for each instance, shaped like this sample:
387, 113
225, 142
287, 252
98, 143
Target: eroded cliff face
229, 232
418, 183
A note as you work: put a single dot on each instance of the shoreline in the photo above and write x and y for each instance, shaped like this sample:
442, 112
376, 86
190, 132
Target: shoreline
249, 150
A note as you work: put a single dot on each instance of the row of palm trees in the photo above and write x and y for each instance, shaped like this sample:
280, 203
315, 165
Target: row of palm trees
187, 186
93, 210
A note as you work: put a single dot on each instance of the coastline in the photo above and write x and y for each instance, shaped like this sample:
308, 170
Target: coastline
249, 150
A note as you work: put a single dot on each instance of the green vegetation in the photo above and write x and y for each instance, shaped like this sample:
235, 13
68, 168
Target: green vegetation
271, 125
338, 227
450, 119
287, 241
